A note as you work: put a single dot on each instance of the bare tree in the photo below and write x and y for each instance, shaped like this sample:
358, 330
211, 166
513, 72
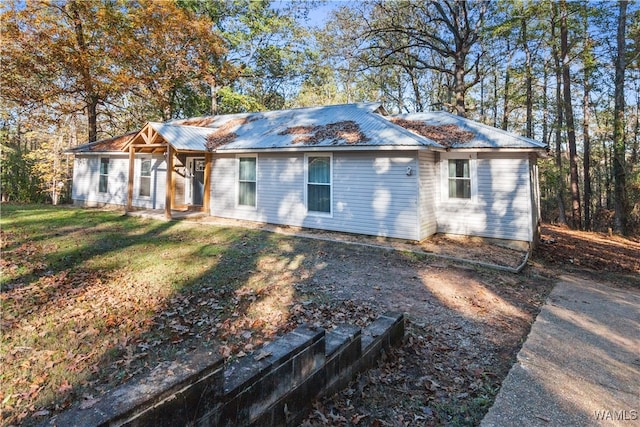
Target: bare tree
620, 199
576, 211
404, 33
588, 63
559, 115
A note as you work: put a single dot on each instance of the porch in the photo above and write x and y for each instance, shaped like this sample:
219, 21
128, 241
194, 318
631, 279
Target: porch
188, 172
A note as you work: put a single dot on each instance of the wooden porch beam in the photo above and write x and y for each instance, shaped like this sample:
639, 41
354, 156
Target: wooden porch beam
132, 157
169, 183
154, 138
148, 145
143, 134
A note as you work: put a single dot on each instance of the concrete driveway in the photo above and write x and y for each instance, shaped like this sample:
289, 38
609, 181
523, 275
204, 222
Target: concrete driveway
580, 365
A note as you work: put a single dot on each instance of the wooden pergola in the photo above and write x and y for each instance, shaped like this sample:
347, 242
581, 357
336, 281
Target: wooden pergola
150, 141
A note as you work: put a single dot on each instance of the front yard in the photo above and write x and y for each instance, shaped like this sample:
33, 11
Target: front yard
92, 298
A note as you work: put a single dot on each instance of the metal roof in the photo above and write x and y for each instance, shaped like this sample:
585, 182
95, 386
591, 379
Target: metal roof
484, 136
104, 145
187, 138
347, 125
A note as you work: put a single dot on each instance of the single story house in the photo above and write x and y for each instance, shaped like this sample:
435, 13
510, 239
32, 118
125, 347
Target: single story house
348, 168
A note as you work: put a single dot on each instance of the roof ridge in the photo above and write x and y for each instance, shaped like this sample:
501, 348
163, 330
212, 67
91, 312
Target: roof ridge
180, 125
174, 122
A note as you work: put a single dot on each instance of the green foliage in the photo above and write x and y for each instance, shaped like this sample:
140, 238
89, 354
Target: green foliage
265, 43
51, 169
17, 181
320, 88
234, 102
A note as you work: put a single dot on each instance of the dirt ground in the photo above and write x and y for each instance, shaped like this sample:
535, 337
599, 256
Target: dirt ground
597, 252
465, 324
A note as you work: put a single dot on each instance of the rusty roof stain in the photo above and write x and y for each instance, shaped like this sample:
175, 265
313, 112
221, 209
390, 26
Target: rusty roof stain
347, 131
196, 121
225, 133
447, 135
117, 143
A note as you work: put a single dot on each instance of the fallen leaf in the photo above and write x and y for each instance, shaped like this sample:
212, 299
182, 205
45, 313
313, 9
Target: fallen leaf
65, 387
262, 355
225, 351
357, 418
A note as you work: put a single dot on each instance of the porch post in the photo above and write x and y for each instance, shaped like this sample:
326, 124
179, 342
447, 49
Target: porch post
207, 183
132, 154
169, 187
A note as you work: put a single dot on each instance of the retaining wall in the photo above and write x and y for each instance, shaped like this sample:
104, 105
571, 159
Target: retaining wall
273, 387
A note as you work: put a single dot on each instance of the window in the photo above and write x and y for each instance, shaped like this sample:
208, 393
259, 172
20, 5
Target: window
247, 177
103, 183
145, 178
319, 184
459, 179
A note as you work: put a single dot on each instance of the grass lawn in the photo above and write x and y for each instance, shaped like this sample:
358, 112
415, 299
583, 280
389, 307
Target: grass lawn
90, 298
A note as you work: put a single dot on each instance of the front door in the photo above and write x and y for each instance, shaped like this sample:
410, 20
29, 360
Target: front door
195, 181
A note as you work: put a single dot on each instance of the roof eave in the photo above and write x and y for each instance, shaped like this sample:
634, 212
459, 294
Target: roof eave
329, 148
497, 149
99, 153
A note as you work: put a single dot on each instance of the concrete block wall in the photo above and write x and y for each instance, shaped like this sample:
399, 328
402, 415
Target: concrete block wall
275, 389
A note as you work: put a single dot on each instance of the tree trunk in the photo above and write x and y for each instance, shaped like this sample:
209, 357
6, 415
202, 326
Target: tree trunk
587, 157
620, 199
214, 99
459, 85
576, 213
87, 79
635, 155
585, 123
92, 115
482, 117
417, 93
562, 219
505, 98
529, 78
545, 107
495, 98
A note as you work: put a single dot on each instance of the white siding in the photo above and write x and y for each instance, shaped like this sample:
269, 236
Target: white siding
86, 177
428, 190
223, 187
372, 193
158, 184
502, 208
